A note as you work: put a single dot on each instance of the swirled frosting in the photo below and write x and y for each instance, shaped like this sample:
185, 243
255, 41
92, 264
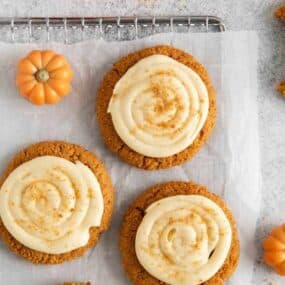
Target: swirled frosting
49, 204
183, 240
159, 106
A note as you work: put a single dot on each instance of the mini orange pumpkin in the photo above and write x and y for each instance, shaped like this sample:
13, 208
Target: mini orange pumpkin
44, 77
274, 249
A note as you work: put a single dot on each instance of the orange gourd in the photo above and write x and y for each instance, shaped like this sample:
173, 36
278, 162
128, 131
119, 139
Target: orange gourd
274, 249
44, 77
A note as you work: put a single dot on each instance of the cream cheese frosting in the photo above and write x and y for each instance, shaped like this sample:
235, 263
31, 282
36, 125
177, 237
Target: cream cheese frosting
159, 106
49, 204
183, 239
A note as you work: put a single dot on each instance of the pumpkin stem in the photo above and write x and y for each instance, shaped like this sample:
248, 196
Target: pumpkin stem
42, 75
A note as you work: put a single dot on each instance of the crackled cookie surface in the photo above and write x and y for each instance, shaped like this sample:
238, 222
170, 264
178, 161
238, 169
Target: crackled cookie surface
179, 234
156, 107
55, 200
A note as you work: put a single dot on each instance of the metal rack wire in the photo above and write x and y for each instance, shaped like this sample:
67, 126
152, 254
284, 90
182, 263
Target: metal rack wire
69, 30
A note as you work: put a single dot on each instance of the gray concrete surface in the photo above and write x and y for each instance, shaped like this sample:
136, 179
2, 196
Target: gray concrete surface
238, 15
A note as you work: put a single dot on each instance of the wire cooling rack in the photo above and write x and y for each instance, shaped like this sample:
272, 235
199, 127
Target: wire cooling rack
70, 30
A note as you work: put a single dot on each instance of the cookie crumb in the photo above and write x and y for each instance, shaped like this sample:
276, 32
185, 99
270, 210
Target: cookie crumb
280, 13
281, 88
77, 283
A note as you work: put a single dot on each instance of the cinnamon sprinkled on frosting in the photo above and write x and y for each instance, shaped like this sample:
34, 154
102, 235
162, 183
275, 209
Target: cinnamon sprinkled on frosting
183, 239
159, 106
49, 204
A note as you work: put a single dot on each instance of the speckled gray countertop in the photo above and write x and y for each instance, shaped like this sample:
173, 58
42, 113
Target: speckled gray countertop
238, 15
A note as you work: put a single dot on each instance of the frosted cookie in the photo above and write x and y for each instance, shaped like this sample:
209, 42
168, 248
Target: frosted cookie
156, 107
178, 233
56, 198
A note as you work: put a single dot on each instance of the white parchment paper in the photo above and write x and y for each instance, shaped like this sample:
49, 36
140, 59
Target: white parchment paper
228, 164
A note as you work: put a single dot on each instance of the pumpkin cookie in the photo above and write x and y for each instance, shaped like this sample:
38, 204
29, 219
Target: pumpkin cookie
156, 107
179, 233
56, 198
